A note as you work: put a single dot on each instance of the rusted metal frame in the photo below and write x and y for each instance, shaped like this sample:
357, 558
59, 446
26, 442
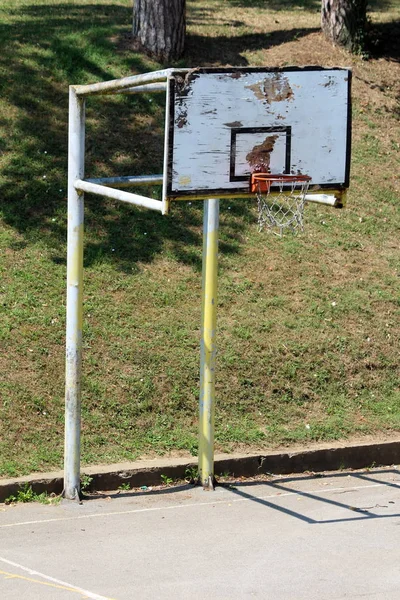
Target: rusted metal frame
76, 167
101, 190
127, 181
107, 87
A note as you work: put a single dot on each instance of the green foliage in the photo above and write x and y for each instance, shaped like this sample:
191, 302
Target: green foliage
86, 481
26, 494
124, 487
191, 474
166, 480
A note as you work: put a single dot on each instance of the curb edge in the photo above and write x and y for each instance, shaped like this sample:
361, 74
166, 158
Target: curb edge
282, 463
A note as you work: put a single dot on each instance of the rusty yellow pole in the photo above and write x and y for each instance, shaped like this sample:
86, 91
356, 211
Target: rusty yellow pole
208, 343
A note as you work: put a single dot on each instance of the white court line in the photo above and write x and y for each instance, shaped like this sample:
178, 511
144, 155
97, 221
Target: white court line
188, 505
80, 590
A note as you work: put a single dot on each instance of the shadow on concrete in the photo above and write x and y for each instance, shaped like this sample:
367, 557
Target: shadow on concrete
366, 513
242, 489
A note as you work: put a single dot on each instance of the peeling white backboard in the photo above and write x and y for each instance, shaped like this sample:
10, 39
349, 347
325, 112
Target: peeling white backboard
224, 123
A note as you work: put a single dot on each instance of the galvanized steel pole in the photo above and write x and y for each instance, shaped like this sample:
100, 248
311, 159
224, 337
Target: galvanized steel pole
76, 148
208, 343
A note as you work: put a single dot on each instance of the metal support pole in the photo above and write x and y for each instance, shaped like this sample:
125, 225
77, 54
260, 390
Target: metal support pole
208, 343
76, 147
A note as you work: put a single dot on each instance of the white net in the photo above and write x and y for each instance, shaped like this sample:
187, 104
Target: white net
281, 200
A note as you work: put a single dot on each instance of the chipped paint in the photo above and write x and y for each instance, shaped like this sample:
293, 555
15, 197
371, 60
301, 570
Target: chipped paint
234, 124
75, 262
272, 89
185, 180
183, 86
181, 120
184, 80
329, 83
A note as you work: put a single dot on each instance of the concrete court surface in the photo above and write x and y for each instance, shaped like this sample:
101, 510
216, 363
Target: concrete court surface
329, 537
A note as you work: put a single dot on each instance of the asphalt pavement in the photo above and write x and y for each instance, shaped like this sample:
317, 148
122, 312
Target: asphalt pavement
333, 536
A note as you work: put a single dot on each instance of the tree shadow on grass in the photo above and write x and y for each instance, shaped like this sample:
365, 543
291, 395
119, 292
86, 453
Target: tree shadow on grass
201, 50
295, 5
42, 52
380, 5
287, 5
384, 40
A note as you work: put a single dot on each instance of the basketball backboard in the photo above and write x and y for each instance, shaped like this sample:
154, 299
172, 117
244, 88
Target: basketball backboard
224, 123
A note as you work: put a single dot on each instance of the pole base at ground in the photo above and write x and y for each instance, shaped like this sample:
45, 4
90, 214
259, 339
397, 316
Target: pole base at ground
209, 484
75, 495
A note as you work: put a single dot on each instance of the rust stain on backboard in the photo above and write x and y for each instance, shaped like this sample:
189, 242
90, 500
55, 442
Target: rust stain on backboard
259, 158
272, 89
329, 83
234, 124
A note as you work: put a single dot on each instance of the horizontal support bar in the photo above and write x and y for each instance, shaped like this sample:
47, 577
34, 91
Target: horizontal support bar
128, 180
150, 87
105, 87
328, 199
101, 190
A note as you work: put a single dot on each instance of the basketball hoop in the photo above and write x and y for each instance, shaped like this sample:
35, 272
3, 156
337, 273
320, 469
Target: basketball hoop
281, 200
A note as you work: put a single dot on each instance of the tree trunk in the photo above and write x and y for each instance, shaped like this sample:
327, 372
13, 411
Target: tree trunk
159, 27
344, 22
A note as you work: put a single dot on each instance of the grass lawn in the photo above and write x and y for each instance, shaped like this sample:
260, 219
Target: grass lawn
308, 326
